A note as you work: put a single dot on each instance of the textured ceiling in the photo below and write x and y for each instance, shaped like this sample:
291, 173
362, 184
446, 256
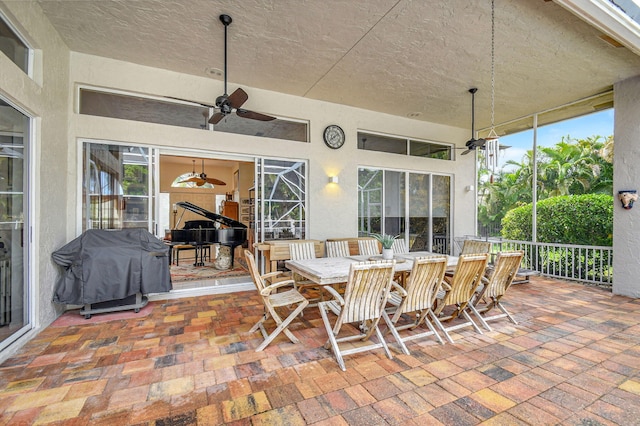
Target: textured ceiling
394, 56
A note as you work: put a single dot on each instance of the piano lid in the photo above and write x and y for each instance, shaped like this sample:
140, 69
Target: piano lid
226, 221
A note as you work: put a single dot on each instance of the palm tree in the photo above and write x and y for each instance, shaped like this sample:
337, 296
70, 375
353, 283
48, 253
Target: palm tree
570, 167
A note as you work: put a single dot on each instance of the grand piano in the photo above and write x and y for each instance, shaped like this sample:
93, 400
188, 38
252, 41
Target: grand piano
202, 232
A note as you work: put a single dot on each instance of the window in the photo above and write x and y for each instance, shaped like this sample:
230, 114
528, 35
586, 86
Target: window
404, 146
371, 142
430, 150
184, 114
12, 45
136, 108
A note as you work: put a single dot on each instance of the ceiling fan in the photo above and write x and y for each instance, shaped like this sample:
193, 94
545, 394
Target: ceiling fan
202, 178
473, 143
227, 103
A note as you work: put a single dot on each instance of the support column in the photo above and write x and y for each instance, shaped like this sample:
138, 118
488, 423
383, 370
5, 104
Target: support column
626, 176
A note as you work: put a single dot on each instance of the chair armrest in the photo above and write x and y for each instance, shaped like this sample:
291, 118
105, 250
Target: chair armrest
335, 294
397, 287
445, 286
268, 290
270, 275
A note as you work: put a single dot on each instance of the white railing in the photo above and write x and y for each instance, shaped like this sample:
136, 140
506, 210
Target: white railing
592, 264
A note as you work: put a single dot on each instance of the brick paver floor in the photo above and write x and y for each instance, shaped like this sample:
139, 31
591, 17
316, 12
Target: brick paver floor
572, 359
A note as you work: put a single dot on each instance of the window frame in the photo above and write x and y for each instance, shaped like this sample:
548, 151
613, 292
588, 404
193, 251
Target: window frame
408, 141
18, 35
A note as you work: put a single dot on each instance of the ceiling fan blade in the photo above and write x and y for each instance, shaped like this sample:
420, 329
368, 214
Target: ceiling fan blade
480, 143
237, 98
202, 182
193, 179
466, 152
254, 115
215, 118
214, 181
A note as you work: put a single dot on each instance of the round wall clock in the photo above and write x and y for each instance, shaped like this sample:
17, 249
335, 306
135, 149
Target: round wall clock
334, 136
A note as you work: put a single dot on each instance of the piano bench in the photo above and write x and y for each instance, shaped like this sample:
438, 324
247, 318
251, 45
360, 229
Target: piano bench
205, 253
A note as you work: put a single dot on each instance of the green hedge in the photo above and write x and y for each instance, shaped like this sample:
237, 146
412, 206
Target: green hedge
570, 219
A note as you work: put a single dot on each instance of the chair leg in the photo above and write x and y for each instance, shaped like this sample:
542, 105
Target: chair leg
382, 341
424, 318
503, 309
477, 314
391, 327
473, 323
282, 326
438, 324
332, 338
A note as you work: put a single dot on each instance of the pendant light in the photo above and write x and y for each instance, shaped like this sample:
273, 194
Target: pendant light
492, 145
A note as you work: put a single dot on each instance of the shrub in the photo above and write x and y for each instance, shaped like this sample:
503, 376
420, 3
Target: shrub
571, 219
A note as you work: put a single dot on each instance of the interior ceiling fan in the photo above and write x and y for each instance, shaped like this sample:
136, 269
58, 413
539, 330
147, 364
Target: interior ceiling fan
202, 178
473, 143
226, 103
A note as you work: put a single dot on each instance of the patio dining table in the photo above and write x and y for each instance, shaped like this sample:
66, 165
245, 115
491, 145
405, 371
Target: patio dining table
335, 270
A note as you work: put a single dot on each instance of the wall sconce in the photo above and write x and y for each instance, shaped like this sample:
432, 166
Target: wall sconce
627, 198
334, 179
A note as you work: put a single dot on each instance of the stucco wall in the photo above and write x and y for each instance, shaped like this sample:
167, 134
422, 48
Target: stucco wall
626, 175
46, 97
332, 209
51, 95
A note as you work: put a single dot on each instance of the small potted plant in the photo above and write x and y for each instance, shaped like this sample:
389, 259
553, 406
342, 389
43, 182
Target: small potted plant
387, 244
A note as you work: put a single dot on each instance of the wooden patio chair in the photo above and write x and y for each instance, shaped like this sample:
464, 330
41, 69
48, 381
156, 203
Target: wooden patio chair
361, 307
494, 287
301, 251
273, 299
418, 298
475, 246
369, 247
337, 248
399, 246
458, 291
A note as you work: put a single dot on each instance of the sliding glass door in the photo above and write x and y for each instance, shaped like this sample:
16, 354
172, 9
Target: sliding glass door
117, 187
15, 307
385, 197
281, 198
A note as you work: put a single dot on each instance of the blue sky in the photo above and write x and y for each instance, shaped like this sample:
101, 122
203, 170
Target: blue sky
596, 124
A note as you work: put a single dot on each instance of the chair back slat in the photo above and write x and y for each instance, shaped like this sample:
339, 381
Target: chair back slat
504, 271
366, 291
399, 246
337, 248
368, 247
300, 251
474, 246
424, 282
466, 278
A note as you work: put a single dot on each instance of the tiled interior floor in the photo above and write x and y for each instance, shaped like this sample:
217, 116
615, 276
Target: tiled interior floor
574, 359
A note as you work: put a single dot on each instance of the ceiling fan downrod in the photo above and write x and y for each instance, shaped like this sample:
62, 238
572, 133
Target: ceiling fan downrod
226, 21
473, 91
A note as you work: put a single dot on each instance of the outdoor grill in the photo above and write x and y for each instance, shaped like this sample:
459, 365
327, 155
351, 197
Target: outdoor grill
112, 270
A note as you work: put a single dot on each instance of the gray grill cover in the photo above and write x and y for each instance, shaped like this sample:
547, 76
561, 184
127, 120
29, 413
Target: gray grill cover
105, 265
